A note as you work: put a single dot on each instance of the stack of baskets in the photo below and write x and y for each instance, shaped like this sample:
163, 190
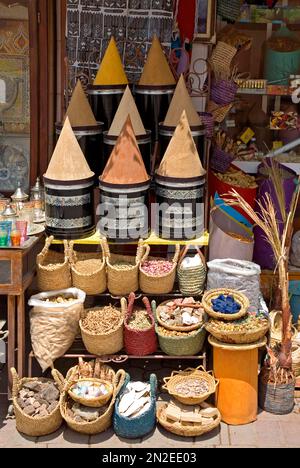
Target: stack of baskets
162, 284
177, 342
192, 402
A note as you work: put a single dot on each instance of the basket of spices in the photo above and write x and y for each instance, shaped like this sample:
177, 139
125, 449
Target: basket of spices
176, 343
91, 392
123, 271
182, 315
225, 304
191, 273
192, 386
157, 275
53, 268
139, 327
135, 408
102, 330
246, 330
36, 405
81, 418
88, 270
185, 421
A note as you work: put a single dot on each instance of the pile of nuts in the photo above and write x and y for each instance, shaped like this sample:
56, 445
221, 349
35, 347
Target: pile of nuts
122, 265
157, 267
192, 387
249, 323
38, 399
172, 333
60, 299
139, 320
237, 178
102, 321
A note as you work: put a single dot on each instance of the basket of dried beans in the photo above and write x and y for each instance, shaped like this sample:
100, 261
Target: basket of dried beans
192, 386
139, 327
157, 275
102, 330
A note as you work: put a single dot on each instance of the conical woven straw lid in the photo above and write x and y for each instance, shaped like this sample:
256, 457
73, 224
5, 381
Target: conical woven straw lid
125, 165
79, 111
156, 70
182, 101
181, 159
111, 71
127, 107
68, 162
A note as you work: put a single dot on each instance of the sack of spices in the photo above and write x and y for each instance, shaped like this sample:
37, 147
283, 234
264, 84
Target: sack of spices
122, 271
191, 273
157, 275
53, 268
139, 330
54, 323
88, 270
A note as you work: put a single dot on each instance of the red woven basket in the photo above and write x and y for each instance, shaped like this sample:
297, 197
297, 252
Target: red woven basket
139, 342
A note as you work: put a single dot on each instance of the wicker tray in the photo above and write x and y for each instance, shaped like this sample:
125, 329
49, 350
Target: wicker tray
247, 337
174, 328
181, 376
214, 293
186, 430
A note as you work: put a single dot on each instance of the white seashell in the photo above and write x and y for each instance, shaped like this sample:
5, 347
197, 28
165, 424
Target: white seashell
135, 407
126, 401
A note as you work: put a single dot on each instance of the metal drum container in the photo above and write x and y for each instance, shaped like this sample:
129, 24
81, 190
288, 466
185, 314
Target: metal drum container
105, 101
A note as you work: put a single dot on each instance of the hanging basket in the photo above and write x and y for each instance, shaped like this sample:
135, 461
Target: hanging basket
162, 284
53, 268
88, 270
191, 279
138, 342
223, 92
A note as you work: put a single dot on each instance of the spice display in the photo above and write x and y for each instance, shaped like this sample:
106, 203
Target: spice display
181, 312
135, 400
283, 120
157, 71
182, 101
248, 323
226, 305
102, 321
127, 107
192, 387
111, 71
122, 265
173, 333
157, 267
139, 320
237, 178
38, 398
84, 118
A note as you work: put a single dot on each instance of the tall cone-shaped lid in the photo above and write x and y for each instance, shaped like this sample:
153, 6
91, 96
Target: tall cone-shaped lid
127, 107
157, 71
181, 159
79, 111
68, 162
125, 165
111, 71
182, 101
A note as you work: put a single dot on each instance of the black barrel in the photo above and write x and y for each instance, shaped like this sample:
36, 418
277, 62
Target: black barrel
198, 133
105, 101
69, 208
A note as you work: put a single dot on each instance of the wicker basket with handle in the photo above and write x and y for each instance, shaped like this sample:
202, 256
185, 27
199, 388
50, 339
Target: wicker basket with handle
94, 402
33, 427
53, 268
93, 279
101, 424
162, 284
215, 293
191, 279
123, 281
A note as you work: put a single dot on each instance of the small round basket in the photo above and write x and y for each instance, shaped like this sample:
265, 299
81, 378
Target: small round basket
238, 337
184, 376
92, 402
215, 293
177, 328
185, 430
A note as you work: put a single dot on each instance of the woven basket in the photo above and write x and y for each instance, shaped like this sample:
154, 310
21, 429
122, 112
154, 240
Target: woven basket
123, 282
102, 345
215, 293
223, 92
96, 370
138, 342
276, 399
276, 329
173, 327
104, 422
91, 402
296, 359
185, 430
220, 160
134, 428
191, 280
178, 377
209, 123
53, 268
33, 427
94, 280
222, 57
247, 337
162, 284
229, 9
